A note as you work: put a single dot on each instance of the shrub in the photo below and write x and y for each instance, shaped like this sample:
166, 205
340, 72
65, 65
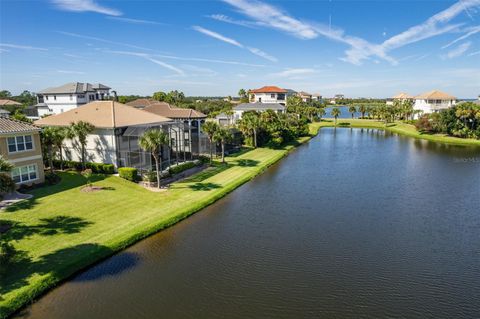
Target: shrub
150, 176
51, 178
183, 167
204, 159
108, 168
128, 173
7, 184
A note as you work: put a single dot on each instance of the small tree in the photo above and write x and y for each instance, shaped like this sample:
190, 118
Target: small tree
81, 130
335, 113
5, 166
222, 136
352, 109
50, 138
58, 137
210, 128
152, 141
362, 109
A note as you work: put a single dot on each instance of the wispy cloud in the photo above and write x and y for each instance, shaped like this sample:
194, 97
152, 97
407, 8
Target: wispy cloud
135, 21
234, 42
474, 53
470, 31
20, 47
458, 51
72, 55
85, 6
294, 73
70, 72
227, 19
81, 36
152, 59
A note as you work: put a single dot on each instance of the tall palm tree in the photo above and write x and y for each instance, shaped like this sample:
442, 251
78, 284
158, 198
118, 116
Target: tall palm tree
321, 112
223, 135
335, 113
152, 141
362, 109
58, 137
5, 166
250, 124
81, 130
352, 109
210, 128
47, 141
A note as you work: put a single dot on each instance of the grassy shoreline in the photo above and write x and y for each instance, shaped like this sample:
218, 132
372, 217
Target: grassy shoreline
62, 230
399, 128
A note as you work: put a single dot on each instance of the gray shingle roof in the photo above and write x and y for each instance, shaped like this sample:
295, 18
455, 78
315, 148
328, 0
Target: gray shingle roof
8, 126
259, 106
74, 87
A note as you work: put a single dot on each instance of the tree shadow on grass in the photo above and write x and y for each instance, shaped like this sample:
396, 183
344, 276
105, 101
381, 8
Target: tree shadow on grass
204, 186
246, 162
47, 227
59, 264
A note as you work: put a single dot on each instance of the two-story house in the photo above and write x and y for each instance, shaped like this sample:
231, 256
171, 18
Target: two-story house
434, 101
20, 145
399, 97
269, 94
69, 96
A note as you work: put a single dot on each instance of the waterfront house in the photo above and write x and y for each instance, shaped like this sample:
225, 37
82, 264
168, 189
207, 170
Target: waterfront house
306, 97
20, 145
434, 101
258, 107
317, 97
268, 94
399, 97
115, 138
69, 96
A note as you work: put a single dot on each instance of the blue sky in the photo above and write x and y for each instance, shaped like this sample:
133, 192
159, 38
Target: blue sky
358, 48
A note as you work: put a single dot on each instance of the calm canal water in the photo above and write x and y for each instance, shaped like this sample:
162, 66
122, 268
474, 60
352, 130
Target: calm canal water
355, 224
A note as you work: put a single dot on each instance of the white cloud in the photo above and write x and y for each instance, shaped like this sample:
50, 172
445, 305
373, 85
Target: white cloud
227, 19
135, 21
225, 39
21, 47
217, 36
458, 51
70, 72
470, 31
85, 6
474, 53
288, 73
166, 65
76, 35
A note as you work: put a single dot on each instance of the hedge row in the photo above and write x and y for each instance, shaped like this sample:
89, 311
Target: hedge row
128, 173
98, 168
183, 167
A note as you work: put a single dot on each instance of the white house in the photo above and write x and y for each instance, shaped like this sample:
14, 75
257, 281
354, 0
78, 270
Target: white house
399, 97
306, 97
268, 94
317, 97
69, 96
257, 106
434, 101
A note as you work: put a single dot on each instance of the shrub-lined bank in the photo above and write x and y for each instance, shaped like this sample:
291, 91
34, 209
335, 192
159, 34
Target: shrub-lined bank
396, 127
63, 230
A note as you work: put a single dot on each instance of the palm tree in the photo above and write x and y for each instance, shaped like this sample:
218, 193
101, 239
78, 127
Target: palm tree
320, 113
47, 141
250, 124
408, 108
59, 135
362, 109
152, 141
352, 109
5, 166
222, 135
81, 130
335, 113
210, 128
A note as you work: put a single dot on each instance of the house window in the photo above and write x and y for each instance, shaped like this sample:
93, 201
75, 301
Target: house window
24, 173
272, 95
20, 143
81, 96
55, 97
46, 97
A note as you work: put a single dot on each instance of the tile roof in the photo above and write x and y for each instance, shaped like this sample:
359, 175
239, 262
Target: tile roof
8, 126
269, 89
103, 114
74, 87
435, 95
9, 102
402, 95
259, 106
303, 93
165, 109
141, 103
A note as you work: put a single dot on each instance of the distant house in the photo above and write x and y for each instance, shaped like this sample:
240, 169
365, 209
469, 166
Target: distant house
306, 97
117, 129
434, 101
337, 97
20, 145
4, 113
257, 106
225, 119
399, 97
317, 97
268, 94
4, 102
69, 96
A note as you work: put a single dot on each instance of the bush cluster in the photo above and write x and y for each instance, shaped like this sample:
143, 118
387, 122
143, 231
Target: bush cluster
97, 168
183, 167
7, 184
128, 173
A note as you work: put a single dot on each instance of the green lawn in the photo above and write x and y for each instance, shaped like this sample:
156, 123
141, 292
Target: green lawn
397, 127
63, 229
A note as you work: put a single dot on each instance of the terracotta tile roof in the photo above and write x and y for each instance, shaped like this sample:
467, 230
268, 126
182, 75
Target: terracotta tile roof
165, 109
103, 114
402, 95
8, 126
269, 89
435, 95
141, 103
9, 102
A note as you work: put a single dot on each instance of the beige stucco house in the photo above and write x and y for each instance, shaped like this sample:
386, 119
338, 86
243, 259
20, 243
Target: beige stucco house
20, 145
